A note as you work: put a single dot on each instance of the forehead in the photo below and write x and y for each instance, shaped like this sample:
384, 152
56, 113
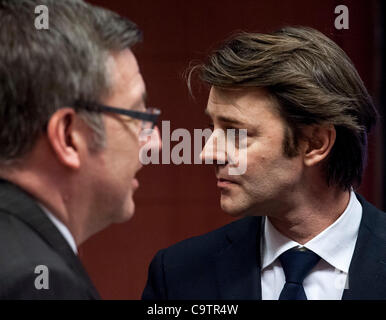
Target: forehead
127, 85
245, 105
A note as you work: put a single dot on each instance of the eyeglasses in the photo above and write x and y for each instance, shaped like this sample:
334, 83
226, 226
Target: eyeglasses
149, 118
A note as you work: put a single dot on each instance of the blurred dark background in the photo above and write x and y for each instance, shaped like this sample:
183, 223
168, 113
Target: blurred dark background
176, 202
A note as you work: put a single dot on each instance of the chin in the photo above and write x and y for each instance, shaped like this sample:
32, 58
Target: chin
126, 213
124, 218
238, 206
232, 208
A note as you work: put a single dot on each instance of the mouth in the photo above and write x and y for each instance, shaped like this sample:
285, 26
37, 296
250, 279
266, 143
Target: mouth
134, 181
224, 183
135, 184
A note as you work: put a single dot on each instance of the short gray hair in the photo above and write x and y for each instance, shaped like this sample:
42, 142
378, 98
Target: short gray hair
42, 71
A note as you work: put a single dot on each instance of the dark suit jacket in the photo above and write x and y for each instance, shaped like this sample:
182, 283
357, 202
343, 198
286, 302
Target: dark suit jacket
28, 239
225, 263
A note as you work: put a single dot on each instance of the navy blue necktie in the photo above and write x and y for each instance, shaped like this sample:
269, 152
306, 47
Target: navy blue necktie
296, 264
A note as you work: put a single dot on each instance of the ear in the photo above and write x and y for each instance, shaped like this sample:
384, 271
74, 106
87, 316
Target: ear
65, 138
318, 143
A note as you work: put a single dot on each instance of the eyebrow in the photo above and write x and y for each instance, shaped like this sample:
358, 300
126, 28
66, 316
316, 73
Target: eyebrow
224, 118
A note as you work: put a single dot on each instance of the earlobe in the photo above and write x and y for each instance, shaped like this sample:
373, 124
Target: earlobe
320, 140
61, 136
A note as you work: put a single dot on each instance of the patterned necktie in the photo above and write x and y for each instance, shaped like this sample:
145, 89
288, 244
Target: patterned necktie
296, 264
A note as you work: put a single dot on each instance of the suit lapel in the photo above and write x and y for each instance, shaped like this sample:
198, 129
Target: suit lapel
239, 271
19, 204
238, 265
367, 272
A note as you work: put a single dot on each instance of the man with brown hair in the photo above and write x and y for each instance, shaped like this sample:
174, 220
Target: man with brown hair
304, 232
71, 112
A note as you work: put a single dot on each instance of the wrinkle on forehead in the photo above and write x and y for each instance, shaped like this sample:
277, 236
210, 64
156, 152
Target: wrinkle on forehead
122, 69
128, 68
127, 87
225, 96
224, 102
243, 99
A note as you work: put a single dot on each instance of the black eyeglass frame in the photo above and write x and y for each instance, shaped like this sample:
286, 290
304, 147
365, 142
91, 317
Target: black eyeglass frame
98, 107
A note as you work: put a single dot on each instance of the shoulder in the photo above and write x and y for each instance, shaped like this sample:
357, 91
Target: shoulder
20, 244
51, 280
372, 218
26, 260
186, 270
208, 245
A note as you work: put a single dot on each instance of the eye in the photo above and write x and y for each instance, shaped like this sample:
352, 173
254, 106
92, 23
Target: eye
236, 131
245, 132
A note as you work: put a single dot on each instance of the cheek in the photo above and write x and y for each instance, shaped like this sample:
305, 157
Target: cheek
268, 166
260, 157
121, 164
131, 158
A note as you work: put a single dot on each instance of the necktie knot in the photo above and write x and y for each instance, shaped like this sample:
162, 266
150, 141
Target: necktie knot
297, 264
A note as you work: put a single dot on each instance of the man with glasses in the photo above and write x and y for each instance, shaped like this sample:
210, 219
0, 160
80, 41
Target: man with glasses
71, 112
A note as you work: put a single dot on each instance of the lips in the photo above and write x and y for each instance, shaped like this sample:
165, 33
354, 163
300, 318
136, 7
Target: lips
223, 183
135, 184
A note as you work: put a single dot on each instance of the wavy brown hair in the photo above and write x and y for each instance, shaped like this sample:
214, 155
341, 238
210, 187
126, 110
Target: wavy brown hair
312, 81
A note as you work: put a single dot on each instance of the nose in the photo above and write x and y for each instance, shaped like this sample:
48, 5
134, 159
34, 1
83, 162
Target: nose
151, 138
214, 150
156, 138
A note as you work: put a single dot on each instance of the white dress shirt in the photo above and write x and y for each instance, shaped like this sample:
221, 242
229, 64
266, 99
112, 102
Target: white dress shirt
335, 245
61, 227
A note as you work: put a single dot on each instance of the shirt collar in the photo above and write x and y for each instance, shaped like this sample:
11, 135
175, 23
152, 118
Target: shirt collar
61, 227
335, 244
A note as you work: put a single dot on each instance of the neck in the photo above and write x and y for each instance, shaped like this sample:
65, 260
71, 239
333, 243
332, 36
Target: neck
55, 198
311, 214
